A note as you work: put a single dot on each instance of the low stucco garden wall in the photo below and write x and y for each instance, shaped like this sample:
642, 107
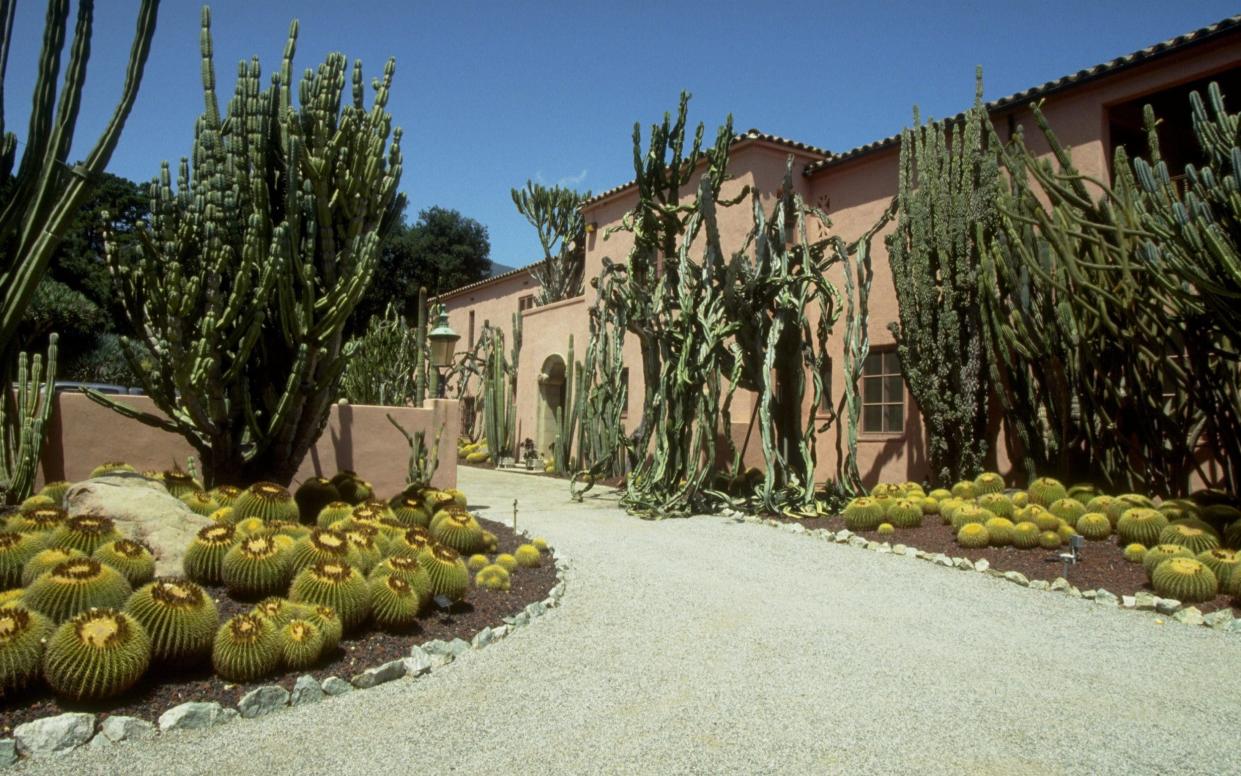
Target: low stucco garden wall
84, 434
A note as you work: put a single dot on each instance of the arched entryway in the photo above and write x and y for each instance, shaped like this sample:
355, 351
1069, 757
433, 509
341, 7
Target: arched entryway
551, 399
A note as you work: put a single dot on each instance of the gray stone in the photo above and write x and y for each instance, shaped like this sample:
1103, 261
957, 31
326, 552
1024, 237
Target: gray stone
228, 715
334, 685
1017, 578
390, 671
550, 602
1128, 601
535, 609
1074, 592
1219, 620
843, 535
940, 559
982, 564
1190, 615
557, 590
794, 528
1060, 584
1040, 584
499, 632
117, 729
856, 541
1106, 597
306, 690
1145, 601
436, 646
418, 662
899, 549
144, 511
883, 549
1088, 595
192, 716
1167, 605
263, 700
872, 545
482, 638
1233, 627
518, 620
964, 564
54, 735
8, 752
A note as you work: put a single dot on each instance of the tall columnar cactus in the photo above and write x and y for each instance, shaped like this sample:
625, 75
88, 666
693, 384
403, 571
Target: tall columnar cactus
39, 197
568, 415
252, 265
947, 189
1103, 307
21, 434
383, 362
499, 387
555, 213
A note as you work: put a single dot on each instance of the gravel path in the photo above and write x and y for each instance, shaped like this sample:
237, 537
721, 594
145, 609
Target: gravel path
709, 646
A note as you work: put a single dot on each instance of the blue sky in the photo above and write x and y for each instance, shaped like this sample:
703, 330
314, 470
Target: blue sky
492, 93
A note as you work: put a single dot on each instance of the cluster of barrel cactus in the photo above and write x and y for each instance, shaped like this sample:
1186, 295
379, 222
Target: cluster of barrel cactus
984, 512
80, 605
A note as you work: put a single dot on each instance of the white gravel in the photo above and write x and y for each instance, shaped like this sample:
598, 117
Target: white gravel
709, 646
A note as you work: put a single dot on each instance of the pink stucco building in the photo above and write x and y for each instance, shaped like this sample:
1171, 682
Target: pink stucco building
1092, 111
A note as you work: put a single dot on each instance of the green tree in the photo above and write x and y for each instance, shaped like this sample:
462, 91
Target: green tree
441, 251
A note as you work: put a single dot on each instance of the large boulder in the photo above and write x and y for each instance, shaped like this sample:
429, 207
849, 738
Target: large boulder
144, 511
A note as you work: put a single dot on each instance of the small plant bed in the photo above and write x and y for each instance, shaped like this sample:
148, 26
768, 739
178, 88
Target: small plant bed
526, 575
1207, 534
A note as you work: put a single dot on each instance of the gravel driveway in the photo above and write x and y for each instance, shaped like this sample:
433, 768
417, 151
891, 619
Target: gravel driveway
709, 646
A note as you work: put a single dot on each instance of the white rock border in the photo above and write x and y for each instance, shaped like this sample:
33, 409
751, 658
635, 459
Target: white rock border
62, 733
1221, 620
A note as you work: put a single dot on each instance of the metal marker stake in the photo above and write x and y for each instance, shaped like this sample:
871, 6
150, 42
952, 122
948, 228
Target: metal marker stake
514, 515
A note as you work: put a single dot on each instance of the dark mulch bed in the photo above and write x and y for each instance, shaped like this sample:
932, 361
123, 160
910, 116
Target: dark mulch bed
160, 689
1100, 565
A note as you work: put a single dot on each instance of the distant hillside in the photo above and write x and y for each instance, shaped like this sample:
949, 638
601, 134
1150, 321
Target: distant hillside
499, 269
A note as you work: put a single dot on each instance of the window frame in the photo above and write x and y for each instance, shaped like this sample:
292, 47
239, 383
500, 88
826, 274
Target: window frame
885, 401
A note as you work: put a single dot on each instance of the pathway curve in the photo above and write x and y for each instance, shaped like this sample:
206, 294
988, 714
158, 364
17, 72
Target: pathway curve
710, 646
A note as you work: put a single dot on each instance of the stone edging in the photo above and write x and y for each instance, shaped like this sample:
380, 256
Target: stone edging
66, 732
1221, 620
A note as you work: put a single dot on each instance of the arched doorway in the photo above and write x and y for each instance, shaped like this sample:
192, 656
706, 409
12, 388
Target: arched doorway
551, 399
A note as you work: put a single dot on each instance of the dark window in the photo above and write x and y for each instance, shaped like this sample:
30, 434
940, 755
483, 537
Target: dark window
825, 399
624, 381
883, 393
525, 302
471, 329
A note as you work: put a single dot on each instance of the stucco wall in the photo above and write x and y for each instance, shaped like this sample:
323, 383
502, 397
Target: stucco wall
854, 193
494, 301
84, 434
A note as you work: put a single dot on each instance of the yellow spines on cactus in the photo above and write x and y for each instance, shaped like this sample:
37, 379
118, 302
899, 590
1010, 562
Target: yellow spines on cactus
1049, 540
939, 494
83, 533
989, 482
332, 512
111, 467
965, 489
75, 586
56, 491
44, 561
1045, 491
863, 514
973, 535
1142, 525
23, 632
1134, 553
997, 504
478, 456
225, 495
528, 555
1000, 529
37, 501
254, 567
1066, 531
539, 543
1161, 552
179, 617
1094, 526
204, 557
1186, 580
969, 513
1020, 499
16, 550
929, 505
1194, 535
268, 502
948, 506
97, 654
905, 513
1025, 535
477, 561
321, 544
449, 576
1067, 509
133, 559
506, 561
337, 584
394, 602
1223, 563
223, 516
200, 502
245, 649
40, 520
1104, 504
886, 529
300, 642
